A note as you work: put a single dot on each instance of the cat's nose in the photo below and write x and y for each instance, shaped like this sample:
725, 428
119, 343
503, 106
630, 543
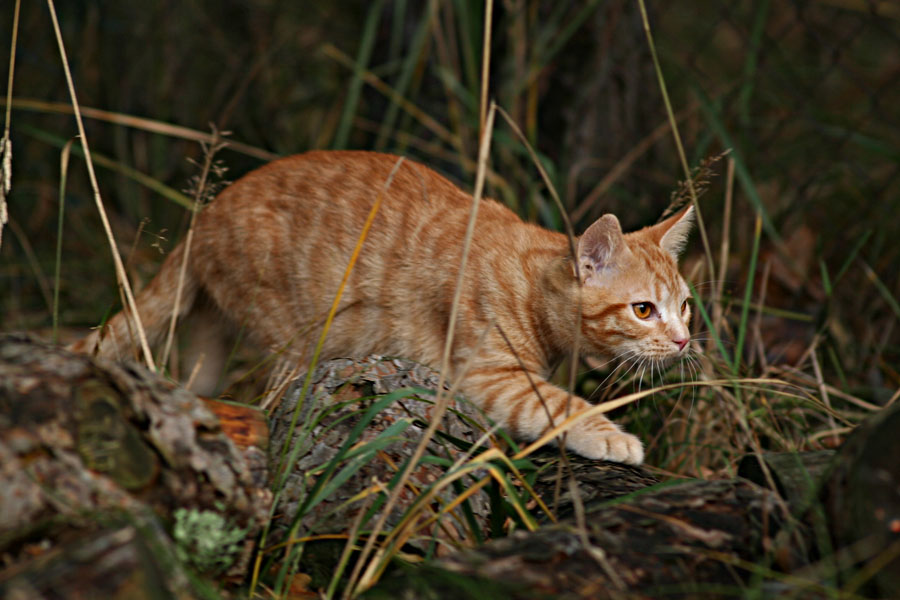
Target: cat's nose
681, 343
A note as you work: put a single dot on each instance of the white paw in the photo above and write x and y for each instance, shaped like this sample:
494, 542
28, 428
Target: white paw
608, 445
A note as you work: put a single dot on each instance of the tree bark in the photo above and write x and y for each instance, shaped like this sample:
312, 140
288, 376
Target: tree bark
690, 539
87, 442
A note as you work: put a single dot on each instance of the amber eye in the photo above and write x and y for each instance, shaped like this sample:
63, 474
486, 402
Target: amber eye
684, 306
642, 310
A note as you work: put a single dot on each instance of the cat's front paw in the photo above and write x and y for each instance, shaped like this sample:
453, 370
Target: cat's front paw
616, 446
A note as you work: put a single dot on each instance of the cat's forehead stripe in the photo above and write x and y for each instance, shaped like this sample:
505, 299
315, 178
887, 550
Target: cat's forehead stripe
610, 309
659, 265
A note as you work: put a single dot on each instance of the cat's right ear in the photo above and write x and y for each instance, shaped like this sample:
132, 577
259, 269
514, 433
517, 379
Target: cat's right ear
597, 247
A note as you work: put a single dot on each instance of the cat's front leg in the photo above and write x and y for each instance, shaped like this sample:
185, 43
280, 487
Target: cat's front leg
527, 405
598, 437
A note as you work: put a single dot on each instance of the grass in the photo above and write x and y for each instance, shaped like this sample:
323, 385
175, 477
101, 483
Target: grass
796, 351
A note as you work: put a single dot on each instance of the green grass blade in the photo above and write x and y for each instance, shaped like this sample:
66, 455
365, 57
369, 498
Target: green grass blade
362, 60
561, 34
740, 165
397, 29
414, 54
852, 256
759, 25
698, 302
323, 479
359, 459
882, 289
108, 163
355, 435
470, 31
63, 178
826, 280
748, 293
883, 148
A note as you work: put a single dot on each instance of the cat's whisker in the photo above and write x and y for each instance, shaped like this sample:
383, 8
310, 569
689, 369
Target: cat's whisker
694, 366
644, 362
628, 362
638, 364
622, 358
602, 384
615, 358
633, 363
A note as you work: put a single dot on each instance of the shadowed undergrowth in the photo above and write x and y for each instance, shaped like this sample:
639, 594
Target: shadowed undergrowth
795, 290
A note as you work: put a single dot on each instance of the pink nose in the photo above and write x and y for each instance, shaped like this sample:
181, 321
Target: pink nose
681, 344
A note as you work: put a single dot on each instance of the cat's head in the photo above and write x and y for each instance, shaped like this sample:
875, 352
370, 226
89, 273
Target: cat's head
635, 302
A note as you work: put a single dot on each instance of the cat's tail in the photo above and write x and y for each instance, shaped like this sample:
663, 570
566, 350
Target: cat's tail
118, 338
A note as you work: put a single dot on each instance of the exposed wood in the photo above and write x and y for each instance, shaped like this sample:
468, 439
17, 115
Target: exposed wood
245, 425
248, 428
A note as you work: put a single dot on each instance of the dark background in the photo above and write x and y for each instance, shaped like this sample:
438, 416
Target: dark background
805, 93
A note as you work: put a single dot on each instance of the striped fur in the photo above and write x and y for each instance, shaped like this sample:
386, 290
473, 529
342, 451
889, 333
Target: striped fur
269, 254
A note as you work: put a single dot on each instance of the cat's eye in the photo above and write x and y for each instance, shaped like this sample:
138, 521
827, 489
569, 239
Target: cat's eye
642, 310
684, 306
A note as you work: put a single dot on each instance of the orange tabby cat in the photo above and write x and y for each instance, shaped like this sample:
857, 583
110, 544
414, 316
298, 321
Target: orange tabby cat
269, 253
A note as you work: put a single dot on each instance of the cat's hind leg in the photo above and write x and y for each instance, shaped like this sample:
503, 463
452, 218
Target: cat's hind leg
206, 353
119, 337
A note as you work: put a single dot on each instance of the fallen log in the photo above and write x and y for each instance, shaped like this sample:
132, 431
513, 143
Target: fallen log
99, 463
89, 449
810, 525
691, 539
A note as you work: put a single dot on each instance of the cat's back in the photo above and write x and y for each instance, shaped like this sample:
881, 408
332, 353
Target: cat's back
287, 231
345, 182
318, 203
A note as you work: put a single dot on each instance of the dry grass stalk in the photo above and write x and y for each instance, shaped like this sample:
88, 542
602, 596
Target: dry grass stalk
141, 123
676, 136
417, 113
757, 323
485, 67
724, 250
368, 576
201, 191
121, 275
696, 184
5, 143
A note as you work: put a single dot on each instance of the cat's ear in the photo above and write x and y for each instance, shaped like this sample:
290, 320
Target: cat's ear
598, 246
672, 234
